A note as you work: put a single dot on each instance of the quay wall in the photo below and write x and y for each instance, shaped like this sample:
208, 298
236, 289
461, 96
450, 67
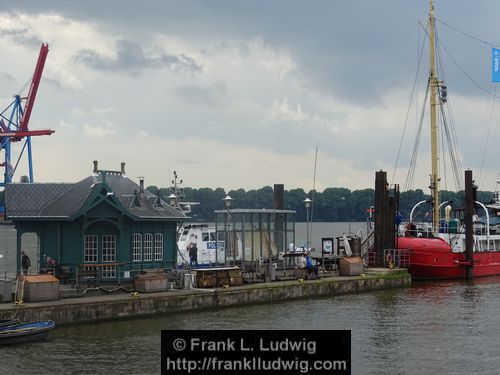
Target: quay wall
100, 308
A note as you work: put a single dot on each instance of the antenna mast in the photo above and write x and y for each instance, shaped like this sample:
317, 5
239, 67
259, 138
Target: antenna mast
434, 84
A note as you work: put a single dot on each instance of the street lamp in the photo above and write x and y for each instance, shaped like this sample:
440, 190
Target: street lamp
227, 200
307, 203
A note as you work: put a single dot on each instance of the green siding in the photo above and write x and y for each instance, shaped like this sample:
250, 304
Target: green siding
63, 240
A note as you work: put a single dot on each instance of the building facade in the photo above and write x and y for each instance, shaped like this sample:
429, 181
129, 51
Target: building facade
105, 225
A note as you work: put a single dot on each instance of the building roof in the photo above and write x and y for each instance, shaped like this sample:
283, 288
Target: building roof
255, 211
68, 201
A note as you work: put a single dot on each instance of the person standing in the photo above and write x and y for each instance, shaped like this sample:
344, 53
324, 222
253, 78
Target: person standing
25, 263
193, 254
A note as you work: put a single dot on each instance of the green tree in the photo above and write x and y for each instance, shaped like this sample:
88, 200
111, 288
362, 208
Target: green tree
294, 201
361, 201
153, 189
333, 204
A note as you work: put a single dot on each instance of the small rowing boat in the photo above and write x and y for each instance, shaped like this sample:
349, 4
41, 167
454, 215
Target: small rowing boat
25, 332
9, 322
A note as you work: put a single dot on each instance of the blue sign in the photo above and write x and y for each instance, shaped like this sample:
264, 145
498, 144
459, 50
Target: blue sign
211, 245
495, 65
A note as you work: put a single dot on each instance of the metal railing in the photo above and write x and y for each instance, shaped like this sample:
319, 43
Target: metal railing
367, 235
400, 258
88, 274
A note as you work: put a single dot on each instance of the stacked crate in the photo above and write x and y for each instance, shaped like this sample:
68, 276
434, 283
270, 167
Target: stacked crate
350, 266
235, 277
205, 280
152, 281
40, 288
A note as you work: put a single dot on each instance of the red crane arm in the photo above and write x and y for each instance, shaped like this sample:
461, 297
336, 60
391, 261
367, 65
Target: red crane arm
30, 100
18, 134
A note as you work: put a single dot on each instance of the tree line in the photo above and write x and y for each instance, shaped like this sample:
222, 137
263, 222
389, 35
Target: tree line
330, 205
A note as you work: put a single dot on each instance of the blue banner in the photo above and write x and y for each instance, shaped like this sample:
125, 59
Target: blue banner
495, 65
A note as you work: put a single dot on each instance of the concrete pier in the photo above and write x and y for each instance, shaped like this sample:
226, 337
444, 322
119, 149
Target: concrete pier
117, 306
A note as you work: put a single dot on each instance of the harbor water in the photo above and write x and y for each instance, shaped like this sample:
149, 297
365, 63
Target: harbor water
431, 328
450, 327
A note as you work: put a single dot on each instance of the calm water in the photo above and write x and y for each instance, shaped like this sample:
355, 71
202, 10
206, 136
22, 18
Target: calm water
431, 328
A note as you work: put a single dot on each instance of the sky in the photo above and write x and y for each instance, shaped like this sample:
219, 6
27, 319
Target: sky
241, 94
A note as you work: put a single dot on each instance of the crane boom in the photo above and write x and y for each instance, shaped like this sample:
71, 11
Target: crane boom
15, 127
35, 82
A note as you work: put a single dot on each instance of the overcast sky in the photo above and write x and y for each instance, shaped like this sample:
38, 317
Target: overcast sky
240, 93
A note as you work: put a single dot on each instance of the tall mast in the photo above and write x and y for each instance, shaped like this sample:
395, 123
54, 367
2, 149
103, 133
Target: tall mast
433, 83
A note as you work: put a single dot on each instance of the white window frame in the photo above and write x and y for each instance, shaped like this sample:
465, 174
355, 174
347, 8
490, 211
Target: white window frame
109, 248
91, 248
148, 247
108, 272
137, 247
158, 246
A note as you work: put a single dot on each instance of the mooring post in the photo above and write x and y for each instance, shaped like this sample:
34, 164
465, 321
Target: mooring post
382, 220
469, 239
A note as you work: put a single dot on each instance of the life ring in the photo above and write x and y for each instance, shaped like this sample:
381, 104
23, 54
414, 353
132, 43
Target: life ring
388, 259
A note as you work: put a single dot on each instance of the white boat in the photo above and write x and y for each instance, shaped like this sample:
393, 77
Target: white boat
210, 250
237, 237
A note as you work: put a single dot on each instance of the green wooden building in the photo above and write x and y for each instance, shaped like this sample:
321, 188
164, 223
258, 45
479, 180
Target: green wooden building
106, 225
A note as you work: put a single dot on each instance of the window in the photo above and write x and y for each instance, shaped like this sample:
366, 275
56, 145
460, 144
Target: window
158, 246
90, 249
148, 247
108, 255
109, 248
137, 247
108, 272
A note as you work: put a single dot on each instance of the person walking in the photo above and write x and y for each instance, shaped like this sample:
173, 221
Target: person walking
25, 263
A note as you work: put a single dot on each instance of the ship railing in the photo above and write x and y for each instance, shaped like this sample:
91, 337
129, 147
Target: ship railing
367, 235
400, 258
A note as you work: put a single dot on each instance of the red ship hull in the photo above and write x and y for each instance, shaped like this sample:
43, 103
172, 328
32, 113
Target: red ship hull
432, 258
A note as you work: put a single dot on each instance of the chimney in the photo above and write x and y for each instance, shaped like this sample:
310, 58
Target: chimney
279, 196
123, 168
141, 185
96, 167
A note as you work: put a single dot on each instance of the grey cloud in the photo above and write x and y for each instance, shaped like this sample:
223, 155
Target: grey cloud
6, 77
356, 49
131, 58
21, 36
210, 96
54, 82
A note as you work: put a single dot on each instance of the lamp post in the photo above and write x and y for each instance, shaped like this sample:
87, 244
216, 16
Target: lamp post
227, 201
307, 203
